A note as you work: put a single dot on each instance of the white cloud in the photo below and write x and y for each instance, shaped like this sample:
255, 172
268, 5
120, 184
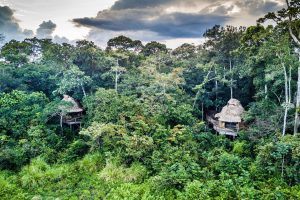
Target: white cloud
61, 12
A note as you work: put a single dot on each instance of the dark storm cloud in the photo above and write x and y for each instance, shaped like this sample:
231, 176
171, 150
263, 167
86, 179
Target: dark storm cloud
9, 26
184, 25
169, 25
151, 16
46, 29
258, 7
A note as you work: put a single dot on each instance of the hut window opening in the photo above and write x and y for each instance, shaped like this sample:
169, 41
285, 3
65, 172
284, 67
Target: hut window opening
231, 125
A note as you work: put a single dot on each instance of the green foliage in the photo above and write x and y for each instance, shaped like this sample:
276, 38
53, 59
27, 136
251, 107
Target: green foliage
154, 48
16, 52
180, 114
19, 110
72, 79
9, 190
24, 133
21, 135
104, 136
279, 159
113, 174
76, 149
123, 43
230, 164
107, 106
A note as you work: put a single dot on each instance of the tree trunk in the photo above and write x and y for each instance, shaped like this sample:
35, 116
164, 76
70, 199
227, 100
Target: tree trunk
297, 41
284, 120
282, 167
61, 123
199, 90
117, 76
116, 81
290, 88
202, 110
286, 93
216, 88
83, 90
195, 100
266, 91
231, 79
296, 123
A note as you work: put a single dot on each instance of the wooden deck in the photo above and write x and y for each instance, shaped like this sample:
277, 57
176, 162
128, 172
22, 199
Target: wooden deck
225, 131
221, 131
73, 121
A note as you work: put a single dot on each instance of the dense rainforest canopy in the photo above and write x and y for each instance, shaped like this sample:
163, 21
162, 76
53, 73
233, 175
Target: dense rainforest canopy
144, 133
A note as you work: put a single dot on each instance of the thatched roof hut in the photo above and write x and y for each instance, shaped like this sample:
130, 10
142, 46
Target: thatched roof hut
232, 112
72, 107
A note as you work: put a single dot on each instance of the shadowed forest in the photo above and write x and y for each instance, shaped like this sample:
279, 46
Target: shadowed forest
135, 122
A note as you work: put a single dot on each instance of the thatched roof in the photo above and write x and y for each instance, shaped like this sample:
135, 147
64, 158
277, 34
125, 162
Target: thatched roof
74, 106
232, 112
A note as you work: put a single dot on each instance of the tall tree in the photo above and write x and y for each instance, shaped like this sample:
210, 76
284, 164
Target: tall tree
185, 51
71, 80
62, 55
153, 47
222, 42
289, 19
123, 43
16, 52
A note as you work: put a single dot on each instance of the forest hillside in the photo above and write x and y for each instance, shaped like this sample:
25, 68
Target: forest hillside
133, 121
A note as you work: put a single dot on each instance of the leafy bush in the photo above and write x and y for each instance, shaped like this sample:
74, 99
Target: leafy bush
76, 150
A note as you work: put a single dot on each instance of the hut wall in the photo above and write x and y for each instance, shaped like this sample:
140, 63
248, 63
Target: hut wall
221, 124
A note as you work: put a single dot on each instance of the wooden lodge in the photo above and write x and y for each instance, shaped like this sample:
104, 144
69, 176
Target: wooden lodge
71, 112
229, 120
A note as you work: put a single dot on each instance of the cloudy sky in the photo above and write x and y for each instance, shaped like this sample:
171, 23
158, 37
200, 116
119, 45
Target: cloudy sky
172, 22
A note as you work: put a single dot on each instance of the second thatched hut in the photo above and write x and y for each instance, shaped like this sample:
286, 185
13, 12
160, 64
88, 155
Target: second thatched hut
71, 112
230, 118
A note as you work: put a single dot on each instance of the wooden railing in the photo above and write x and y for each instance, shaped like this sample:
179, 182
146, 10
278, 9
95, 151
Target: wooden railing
73, 120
